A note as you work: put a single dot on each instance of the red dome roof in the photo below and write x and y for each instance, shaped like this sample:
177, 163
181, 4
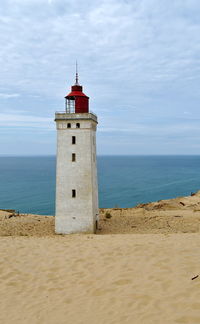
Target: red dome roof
76, 94
76, 91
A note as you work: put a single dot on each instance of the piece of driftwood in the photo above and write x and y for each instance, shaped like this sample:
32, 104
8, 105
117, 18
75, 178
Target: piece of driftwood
11, 215
195, 277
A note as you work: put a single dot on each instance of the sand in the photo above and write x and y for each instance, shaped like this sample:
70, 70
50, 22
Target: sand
103, 279
26, 225
100, 279
179, 215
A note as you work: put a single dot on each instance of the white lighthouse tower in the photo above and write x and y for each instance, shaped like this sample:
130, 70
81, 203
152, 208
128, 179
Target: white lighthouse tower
76, 170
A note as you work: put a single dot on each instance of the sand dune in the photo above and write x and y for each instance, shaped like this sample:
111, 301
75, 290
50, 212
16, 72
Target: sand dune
180, 215
25, 225
103, 279
100, 279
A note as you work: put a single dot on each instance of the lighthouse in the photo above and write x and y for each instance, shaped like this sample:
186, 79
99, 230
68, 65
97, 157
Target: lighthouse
76, 165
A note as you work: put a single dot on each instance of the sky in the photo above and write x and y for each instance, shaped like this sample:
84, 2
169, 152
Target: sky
139, 62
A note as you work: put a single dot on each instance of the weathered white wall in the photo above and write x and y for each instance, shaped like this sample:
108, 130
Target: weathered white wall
78, 214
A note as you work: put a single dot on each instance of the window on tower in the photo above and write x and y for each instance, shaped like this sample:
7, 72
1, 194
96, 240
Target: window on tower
73, 157
73, 139
77, 125
73, 193
68, 125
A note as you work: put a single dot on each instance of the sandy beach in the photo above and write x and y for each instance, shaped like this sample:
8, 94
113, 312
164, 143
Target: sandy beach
137, 269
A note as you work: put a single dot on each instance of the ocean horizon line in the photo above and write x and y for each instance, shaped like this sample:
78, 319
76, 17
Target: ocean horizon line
99, 155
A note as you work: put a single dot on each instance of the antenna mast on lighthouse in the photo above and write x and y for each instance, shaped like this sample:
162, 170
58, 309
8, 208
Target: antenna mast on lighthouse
76, 83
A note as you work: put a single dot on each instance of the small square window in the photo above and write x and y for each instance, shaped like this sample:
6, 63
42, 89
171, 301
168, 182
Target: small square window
77, 125
73, 139
73, 193
68, 125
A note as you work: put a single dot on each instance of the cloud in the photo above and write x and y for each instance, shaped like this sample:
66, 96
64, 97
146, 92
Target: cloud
25, 121
118, 41
138, 60
9, 95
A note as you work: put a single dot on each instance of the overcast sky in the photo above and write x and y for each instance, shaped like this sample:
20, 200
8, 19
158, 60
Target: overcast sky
139, 62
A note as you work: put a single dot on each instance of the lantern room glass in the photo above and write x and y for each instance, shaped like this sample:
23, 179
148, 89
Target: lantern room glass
70, 105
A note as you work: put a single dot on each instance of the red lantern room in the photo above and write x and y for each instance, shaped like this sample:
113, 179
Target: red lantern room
76, 101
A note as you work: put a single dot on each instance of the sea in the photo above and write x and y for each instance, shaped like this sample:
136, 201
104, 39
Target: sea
27, 184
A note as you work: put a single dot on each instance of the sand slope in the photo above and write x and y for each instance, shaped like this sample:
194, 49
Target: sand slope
180, 215
104, 279
100, 279
26, 225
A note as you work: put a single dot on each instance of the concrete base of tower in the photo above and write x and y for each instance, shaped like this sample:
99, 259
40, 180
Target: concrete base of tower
64, 226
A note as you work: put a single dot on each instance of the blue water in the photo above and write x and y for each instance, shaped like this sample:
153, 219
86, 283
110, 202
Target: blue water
27, 184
